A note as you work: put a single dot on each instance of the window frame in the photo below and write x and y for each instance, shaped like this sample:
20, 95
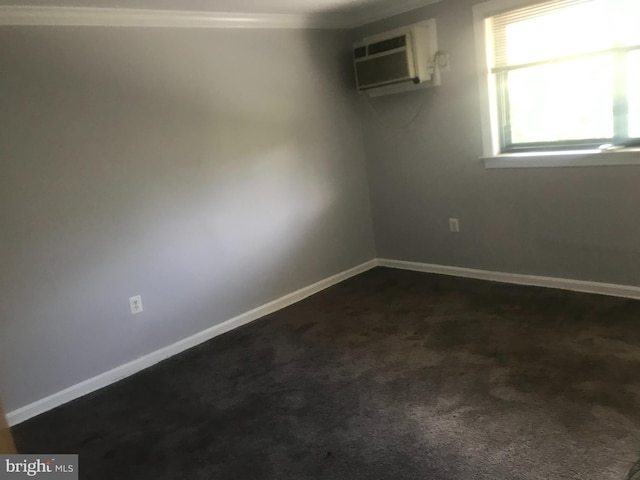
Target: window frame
547, 154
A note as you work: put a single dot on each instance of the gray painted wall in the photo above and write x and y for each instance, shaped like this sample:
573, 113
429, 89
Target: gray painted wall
210, 171
214, 171
579, 223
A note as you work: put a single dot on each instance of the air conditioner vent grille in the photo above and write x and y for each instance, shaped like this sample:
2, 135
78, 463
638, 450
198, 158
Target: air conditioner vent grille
383, 70
386, 45
360, 52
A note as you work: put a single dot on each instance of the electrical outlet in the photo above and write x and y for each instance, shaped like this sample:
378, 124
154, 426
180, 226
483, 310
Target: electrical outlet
454, 225
135, 304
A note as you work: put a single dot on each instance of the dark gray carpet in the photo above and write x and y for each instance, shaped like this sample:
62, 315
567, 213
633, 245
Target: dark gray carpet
389, 375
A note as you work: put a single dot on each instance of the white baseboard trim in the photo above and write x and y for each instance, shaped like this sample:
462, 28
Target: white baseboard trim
107, 378
626, 291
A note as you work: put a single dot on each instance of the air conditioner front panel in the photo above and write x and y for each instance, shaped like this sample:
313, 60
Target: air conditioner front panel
384, 70
397, 60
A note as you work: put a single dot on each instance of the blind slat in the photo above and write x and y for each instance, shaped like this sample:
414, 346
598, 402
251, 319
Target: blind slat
562, 28
508, 68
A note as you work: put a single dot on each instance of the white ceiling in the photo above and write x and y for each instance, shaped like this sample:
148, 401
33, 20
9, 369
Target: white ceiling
351, 12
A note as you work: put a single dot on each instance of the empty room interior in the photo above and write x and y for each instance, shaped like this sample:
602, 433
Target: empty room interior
337, 239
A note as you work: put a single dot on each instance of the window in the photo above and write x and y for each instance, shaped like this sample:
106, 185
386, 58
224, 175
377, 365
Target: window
562, 75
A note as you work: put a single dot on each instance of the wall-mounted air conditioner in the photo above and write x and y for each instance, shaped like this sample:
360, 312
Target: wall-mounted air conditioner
401, 56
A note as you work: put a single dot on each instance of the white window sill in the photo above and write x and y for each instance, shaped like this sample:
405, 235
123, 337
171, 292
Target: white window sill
582, 158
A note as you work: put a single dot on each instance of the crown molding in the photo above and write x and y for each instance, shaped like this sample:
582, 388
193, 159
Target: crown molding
128, 17
364, 16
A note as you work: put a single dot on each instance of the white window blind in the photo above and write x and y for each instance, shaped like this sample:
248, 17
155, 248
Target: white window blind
566, 73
